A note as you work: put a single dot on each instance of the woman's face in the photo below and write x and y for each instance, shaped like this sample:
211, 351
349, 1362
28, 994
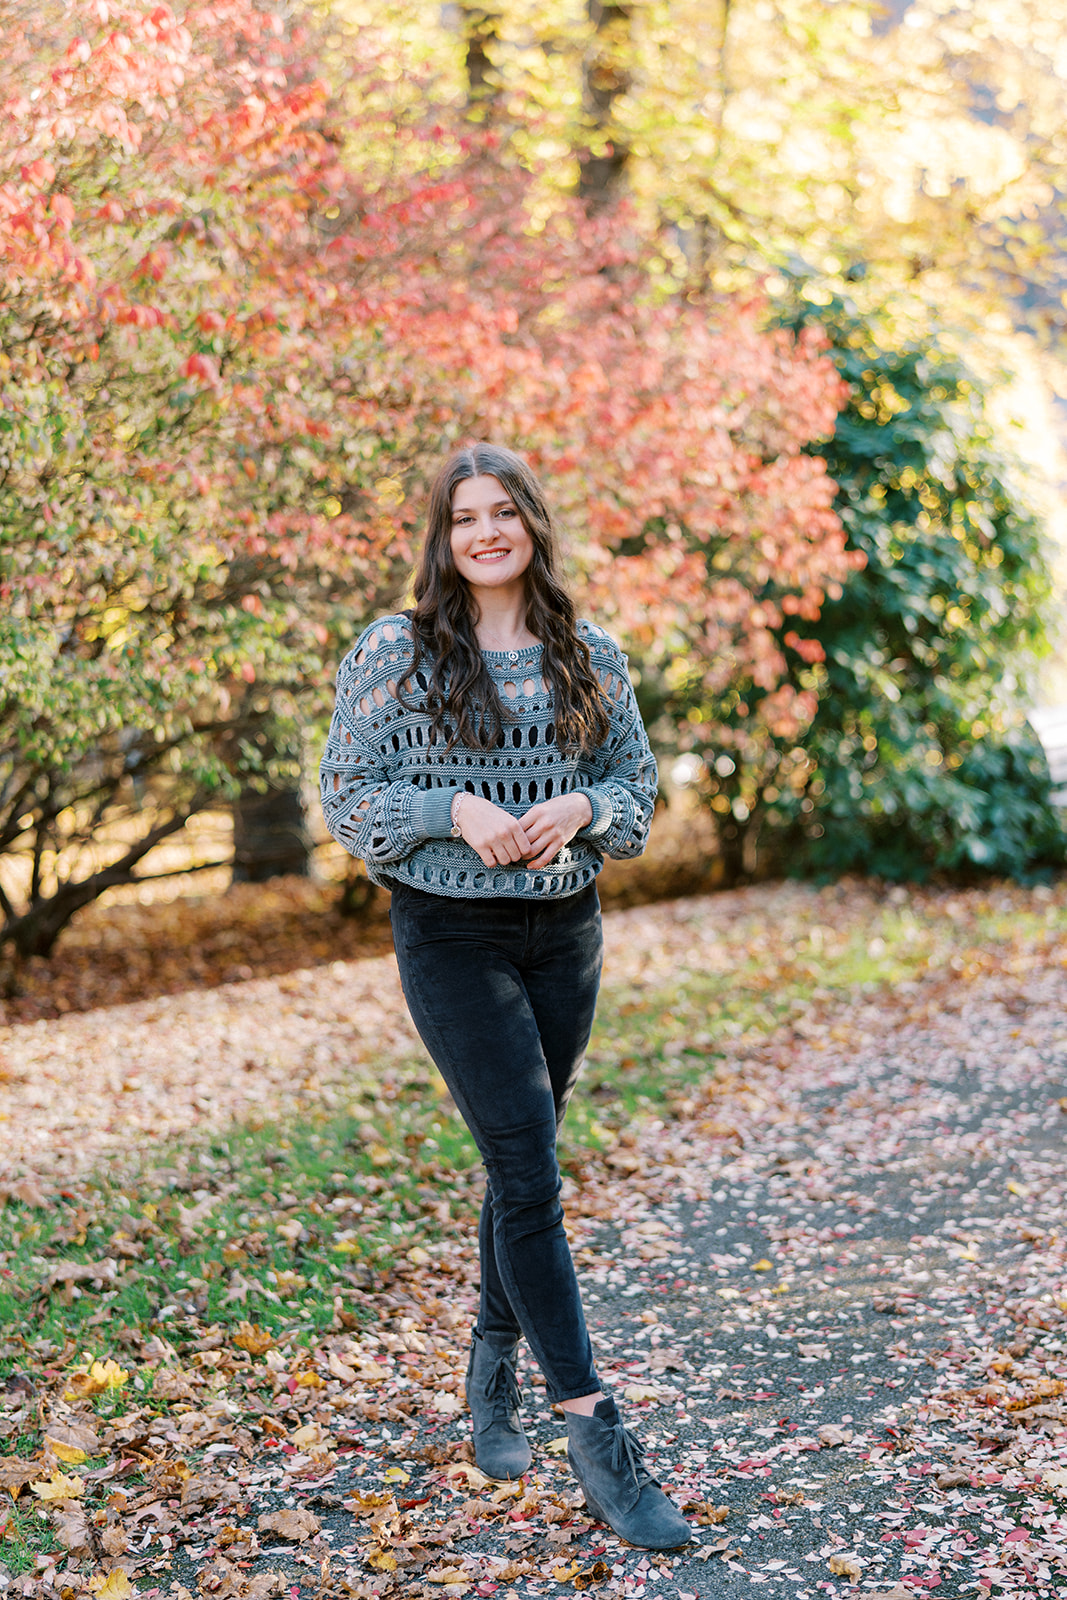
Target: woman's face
490, 544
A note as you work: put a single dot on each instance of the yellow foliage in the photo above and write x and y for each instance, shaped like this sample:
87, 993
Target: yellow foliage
95, 1377
69, 1454
114, 1585
58, 1487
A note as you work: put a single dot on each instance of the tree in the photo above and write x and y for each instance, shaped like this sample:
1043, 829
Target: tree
606, 77
232, 358
924, 149
917, 757
189, 379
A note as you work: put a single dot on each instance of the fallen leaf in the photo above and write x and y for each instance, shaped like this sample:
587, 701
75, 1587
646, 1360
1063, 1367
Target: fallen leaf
641, 1391
846, 1566
475, 1478
720, 1547
71, 1528
446, 1404
251, 1337
114, 1585
311, 1433
705, 1513
819, 1352
830, 1434
95, 1377
291, 1522
16, 1472
449, 1575
763, 1265
557, 1447
77, 1434
371, 1371
58, 1487
366, 1505
98, 1272
69, 1454
25, 1190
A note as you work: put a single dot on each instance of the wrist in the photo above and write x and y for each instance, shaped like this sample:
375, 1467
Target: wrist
457, 804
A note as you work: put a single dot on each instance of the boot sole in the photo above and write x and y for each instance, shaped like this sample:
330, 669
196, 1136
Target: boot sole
602, 1516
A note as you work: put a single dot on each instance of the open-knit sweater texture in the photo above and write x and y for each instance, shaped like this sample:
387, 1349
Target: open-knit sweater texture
387, 789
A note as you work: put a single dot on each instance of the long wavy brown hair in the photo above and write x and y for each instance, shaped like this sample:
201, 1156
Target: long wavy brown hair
461, 697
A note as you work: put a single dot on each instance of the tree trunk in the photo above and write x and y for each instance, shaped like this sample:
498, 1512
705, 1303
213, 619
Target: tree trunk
479, 26
731, 834
35, 931
358, 895
270, 837
606, 76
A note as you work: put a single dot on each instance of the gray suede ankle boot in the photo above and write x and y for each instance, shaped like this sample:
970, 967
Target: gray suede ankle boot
501, 1449
619, 1489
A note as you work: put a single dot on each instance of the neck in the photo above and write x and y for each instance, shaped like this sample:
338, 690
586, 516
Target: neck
501, 622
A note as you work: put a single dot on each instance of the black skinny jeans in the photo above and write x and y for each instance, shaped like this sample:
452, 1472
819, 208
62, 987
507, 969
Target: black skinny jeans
503, 992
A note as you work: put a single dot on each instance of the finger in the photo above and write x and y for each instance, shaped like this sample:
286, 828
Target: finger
507, 851
542, 860
546, 850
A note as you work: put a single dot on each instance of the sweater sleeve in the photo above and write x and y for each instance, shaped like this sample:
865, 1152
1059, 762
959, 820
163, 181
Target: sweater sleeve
621, 771
377, 816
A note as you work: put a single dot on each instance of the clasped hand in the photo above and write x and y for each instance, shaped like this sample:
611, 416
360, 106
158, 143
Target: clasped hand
536, 838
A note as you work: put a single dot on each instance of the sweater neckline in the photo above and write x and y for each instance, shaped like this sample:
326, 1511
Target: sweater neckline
509, 657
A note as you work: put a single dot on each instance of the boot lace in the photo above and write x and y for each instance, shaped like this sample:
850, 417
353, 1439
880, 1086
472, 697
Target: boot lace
502, 1390
627, 1454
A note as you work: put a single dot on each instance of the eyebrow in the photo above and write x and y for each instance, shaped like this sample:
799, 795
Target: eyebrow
496, 505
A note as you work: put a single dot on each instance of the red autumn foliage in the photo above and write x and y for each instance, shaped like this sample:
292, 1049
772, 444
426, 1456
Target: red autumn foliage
240, 329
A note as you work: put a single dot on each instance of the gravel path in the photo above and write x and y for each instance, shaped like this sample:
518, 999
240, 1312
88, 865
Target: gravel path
844, 1342
831, 1294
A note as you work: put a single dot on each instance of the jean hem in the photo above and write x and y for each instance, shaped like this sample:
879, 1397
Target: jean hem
577, 1394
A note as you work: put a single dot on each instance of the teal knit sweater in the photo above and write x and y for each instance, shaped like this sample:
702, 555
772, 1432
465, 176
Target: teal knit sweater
387, 792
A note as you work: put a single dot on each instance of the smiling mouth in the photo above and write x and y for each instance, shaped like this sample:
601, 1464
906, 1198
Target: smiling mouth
491, 555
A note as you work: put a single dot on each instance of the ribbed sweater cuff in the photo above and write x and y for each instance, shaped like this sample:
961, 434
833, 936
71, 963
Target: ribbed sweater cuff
431, 815
603, 812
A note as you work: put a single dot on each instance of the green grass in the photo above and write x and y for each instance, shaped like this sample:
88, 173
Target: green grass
269, 1225
291, 1227
26, 1533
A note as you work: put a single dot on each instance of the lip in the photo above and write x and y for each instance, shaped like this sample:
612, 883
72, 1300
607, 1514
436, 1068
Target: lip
496, 554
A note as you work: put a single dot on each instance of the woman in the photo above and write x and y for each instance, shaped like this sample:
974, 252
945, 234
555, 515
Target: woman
485, 753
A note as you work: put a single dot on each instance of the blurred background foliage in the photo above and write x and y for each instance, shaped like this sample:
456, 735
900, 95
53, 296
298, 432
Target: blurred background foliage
358, 230
917, 758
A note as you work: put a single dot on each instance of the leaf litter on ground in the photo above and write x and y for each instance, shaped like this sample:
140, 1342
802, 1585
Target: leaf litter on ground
731, 1206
